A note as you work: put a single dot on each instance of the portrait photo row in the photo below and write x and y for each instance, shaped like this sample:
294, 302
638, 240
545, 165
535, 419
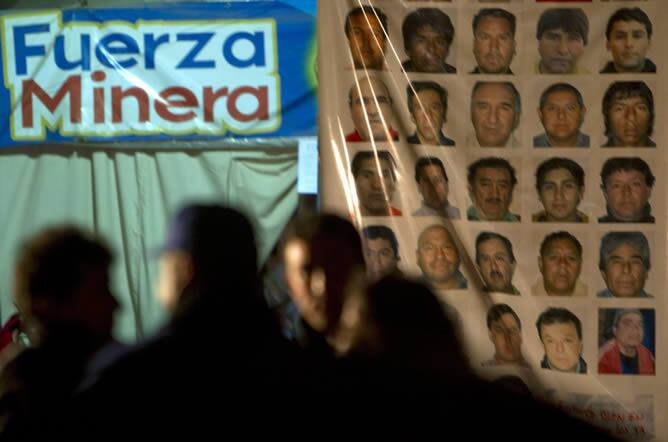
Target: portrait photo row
500, 114
616, 265
610, 190
497, 39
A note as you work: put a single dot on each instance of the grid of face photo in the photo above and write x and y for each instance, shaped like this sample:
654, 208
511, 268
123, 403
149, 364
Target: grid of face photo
505, 153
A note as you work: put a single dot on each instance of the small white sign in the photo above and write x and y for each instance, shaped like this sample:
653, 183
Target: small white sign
307, 166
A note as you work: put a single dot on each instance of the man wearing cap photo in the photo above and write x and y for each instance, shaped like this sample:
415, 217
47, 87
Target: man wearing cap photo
624, 352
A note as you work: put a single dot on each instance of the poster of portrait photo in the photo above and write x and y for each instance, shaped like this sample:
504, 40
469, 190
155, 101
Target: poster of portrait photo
510, 156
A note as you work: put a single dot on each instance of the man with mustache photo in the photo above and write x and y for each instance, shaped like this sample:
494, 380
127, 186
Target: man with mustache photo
496, 261
491, 183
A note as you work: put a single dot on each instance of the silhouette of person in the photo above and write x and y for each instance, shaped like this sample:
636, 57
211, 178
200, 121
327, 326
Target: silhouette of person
61, 288
325, 272
221, 343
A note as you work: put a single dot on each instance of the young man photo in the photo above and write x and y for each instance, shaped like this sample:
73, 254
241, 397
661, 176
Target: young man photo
560, 186
434, 187
628, 38
375, 181
428, 106
628, 113
366, 30
428, 34
504, 329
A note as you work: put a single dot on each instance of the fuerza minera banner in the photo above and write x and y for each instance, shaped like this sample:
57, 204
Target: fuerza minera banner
195, 70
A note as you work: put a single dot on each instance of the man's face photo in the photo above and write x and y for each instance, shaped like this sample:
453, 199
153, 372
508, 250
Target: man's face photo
429, 115
428, 48
371, 109
375, 187
433, 186
626, 194
560, 266
562, 345
629, 121
437, 255
629, 331
496, 265
628, 43
560, 194
625, 273
492, 192
560, 51
493, 45
380, 257
562, 116
506, 335
367, 41
493, 114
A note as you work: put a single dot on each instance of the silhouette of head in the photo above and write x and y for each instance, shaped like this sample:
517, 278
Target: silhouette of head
62, 279
209, 255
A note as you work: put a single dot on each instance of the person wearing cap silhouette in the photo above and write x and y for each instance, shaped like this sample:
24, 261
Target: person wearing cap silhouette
208, 250
221, 344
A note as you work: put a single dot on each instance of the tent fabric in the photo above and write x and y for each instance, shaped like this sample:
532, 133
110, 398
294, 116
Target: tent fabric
127, 198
